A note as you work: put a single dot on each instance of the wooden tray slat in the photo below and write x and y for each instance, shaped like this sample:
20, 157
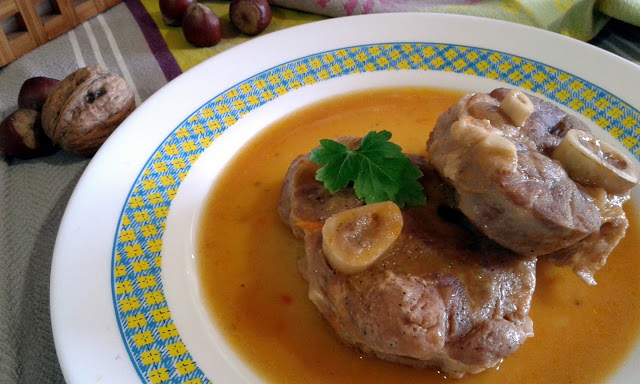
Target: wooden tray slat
7, 8
56, 26
21, 43
86, 11
5, 49
40, 30
32, 21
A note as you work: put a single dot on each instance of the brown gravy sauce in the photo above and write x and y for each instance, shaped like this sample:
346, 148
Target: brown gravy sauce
247, 267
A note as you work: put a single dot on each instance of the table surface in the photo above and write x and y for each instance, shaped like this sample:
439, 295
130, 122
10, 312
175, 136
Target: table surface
34, 193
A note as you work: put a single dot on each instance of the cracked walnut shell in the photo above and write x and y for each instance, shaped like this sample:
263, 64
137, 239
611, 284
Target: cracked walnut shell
85, 108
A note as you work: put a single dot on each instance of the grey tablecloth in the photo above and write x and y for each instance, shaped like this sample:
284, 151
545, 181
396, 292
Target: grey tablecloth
34, 193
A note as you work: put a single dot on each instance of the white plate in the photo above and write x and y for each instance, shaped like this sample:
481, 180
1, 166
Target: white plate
119, 316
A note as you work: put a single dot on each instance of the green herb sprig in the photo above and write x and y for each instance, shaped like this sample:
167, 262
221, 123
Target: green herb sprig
378, 170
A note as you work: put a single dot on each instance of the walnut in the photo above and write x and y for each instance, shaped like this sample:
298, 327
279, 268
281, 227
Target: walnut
85, 108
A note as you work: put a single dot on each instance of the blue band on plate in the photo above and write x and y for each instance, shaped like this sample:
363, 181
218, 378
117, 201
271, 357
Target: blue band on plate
151, 338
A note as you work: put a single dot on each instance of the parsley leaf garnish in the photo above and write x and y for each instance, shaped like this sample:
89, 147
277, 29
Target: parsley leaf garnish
378, 169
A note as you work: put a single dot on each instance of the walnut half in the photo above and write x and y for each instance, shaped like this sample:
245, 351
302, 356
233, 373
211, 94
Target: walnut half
85, 108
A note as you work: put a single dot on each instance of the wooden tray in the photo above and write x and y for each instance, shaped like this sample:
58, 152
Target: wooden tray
27, 24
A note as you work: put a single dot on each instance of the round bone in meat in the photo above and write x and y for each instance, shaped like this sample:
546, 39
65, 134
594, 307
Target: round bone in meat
353, 239
596, 163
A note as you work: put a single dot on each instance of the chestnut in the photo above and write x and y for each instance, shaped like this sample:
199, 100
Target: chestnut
201, 26
21, 135
173, 10
250, 16
34, 92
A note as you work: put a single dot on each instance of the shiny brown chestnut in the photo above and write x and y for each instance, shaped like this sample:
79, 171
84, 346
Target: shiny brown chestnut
21, 135
201, 26
173, 10
34, 92
250, 16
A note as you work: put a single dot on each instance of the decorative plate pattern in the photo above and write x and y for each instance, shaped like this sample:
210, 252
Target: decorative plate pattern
151, 338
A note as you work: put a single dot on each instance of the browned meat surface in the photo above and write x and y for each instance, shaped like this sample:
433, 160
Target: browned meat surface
305, 201
513, 192
504, 184
442, 296
590, 254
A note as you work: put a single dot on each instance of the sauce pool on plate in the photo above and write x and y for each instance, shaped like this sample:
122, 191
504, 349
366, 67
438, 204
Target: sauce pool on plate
247, 263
